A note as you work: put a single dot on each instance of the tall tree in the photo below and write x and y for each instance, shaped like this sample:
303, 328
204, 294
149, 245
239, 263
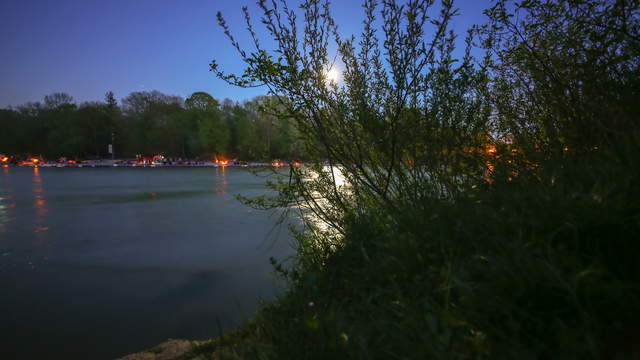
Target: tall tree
110, 99
201, 101
140, 101
95, 123
55, 100
213, 131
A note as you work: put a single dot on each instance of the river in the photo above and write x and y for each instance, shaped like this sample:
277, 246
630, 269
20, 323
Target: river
98, 263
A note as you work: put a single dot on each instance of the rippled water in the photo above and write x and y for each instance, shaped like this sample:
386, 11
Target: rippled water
97, 263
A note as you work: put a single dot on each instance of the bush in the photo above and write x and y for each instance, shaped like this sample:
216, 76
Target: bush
489, 210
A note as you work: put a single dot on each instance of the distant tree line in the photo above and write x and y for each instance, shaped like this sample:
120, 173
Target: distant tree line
146, 123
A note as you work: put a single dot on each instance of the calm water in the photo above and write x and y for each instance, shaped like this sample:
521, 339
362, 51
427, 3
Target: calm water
97, 263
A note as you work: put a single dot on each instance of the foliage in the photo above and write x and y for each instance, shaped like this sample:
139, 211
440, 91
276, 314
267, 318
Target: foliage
147, 123
488, 209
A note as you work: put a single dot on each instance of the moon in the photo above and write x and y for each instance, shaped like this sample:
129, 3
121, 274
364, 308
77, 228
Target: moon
333, 76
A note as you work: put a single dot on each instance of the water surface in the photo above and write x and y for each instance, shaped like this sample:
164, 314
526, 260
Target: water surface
97, 263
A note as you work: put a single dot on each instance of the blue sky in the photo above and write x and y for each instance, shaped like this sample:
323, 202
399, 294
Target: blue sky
88, 47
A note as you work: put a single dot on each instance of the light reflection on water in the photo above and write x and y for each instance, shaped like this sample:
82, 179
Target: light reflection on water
6, 204
40, 206
338, 176
4, 212
315, 218
221, 184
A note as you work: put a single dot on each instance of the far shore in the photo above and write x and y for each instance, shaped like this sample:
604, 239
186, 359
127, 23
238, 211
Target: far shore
137, 163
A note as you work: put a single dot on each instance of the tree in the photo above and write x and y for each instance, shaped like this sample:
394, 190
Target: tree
213, 133
55, 100
146, 123
248, 144
35, 128
12, 137
114, 115
201, 101
95, 123
376, 122
140, 101
579, 67
64, 136
110, 99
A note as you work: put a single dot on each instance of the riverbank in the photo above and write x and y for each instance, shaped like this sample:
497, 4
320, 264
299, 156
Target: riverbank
181, 349
134, 163
175, 349
511, 269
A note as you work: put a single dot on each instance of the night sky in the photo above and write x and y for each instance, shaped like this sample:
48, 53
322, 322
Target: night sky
88, 47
